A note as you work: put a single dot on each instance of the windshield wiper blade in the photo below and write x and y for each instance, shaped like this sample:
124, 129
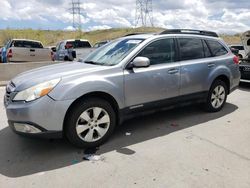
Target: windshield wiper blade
92, 62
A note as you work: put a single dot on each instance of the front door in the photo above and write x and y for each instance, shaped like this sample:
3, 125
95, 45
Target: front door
159, 81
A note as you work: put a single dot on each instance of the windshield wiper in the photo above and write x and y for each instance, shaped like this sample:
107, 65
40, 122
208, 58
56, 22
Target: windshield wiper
93, 63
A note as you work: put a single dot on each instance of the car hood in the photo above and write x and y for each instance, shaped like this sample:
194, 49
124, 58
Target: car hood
60, 70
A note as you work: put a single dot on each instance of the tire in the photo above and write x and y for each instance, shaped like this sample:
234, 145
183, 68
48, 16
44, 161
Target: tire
217, 96
84, 129
66, 58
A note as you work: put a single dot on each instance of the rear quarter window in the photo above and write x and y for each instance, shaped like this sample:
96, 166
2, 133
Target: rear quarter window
216, 48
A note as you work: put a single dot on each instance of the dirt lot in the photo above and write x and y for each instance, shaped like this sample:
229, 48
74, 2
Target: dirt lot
177, 148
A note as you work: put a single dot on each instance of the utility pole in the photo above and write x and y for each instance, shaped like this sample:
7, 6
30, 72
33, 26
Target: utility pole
144, 13
76, 12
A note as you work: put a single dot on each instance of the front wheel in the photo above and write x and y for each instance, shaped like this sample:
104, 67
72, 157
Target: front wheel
217, 96
90, 123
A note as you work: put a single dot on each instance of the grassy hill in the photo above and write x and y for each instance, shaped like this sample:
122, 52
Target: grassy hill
50, 38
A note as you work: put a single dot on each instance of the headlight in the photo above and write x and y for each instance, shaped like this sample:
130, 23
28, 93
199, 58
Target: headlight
36, 91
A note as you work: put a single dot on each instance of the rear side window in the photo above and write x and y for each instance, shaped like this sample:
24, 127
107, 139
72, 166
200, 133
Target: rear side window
79, 44
191, 48
159, 52
216, 48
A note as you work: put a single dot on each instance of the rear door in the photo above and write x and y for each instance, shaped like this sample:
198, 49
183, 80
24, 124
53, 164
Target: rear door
159, 81
194, 66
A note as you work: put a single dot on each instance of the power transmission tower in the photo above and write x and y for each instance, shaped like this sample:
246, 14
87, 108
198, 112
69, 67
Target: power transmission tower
144, 13
76, 12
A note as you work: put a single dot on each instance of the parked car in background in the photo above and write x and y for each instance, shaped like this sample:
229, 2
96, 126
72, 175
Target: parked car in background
24, 50
86, 100
68, 50
99, 44
241, 50
245, 62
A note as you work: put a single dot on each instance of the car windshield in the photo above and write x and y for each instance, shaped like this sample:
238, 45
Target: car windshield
112, 53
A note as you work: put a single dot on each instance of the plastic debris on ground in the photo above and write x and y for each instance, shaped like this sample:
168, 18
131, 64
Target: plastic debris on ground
89, 155
127, 133
92, 157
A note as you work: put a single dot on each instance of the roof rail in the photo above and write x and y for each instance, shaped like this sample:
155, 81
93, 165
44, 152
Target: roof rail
189, 31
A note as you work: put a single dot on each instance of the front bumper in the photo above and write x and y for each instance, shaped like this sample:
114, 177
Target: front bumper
41, 134
43, 114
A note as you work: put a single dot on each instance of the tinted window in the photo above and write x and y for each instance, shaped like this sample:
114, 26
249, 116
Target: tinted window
191, 48
238, 47
27, 44
207, 51
161, 51
18, 43
216, 48
36, 45
79, 44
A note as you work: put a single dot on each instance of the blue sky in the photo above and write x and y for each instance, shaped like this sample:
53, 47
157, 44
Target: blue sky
225, 16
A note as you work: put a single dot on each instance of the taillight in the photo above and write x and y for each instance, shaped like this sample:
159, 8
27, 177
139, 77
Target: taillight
236, 60
9, 55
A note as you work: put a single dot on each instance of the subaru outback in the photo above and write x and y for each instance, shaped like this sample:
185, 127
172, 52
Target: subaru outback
84, 101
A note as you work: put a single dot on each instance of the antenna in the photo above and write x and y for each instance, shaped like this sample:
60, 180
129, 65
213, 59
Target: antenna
144, 13
76, 12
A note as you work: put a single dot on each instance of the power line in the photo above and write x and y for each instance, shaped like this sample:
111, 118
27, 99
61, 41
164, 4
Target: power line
144, 13
76, 12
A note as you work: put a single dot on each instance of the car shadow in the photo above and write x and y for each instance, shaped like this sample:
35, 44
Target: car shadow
20, 156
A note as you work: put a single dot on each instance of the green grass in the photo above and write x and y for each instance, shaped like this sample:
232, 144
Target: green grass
49, 38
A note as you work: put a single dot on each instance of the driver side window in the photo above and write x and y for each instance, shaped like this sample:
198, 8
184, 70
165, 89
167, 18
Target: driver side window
160, 51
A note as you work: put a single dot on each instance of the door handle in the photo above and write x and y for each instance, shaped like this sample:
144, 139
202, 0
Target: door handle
173, 71
32, 50
210, 65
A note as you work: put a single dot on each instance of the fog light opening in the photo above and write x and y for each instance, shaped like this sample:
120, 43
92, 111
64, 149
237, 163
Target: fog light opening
26, 128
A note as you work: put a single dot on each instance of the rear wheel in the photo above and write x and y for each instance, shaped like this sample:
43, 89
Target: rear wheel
217, 96
66, 58
90, 123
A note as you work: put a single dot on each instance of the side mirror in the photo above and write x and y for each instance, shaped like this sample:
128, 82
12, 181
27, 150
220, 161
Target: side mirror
140, 62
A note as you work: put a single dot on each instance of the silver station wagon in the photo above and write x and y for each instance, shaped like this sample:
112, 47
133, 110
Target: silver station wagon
84, 101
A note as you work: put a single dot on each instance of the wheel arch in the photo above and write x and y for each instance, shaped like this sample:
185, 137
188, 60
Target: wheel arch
97, 94
225, 79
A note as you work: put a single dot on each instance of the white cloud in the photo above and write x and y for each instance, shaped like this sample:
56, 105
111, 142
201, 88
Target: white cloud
224, 16
69, 28
98, 27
